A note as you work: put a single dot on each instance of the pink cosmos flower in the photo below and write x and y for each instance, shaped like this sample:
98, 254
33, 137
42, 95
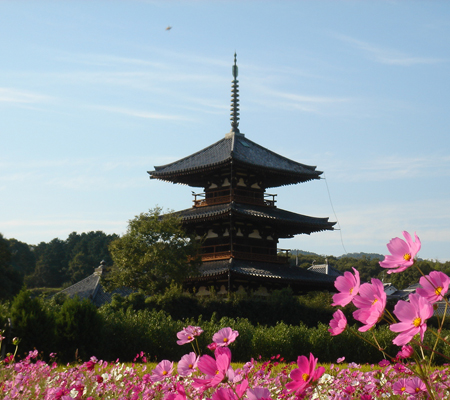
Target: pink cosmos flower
405, 352
258, 393
162, 370
413, 316
384, 363
348, 286
180, 395
188, 334
214, 369
338, 323
415, 385
305, 374
184, 337
402, 253
225, 336
195, 330
188, 364
371, 302
434, 286
399, 387
224, 394
340, 359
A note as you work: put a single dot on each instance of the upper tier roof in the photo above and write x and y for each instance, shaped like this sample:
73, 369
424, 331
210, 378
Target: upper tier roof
276, 170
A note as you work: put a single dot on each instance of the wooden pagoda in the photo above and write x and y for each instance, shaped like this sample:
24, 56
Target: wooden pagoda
237, 220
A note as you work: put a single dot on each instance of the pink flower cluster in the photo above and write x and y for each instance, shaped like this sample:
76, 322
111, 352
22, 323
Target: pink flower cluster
370, 298
412, 315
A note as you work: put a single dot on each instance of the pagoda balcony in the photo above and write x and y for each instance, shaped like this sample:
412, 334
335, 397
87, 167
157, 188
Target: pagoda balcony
242, 252
239, 196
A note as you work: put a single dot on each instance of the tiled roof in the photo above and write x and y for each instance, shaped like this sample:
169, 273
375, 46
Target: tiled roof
91, 288
242, 151
325, 269
268, 271
296, 222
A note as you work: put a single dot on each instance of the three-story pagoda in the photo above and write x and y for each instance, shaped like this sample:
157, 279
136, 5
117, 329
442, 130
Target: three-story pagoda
237, 220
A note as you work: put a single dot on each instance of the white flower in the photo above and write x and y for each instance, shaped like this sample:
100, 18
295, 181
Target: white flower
326, 378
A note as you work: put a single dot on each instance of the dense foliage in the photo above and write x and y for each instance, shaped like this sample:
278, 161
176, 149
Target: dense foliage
154, 252
10, 279
77, 330
54, 264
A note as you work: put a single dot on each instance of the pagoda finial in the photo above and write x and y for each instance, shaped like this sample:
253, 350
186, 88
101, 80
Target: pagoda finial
235, 99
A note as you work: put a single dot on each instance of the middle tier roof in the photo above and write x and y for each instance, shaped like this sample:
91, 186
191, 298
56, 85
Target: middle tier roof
287, 223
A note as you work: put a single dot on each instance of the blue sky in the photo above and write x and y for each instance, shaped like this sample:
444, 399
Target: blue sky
93, 94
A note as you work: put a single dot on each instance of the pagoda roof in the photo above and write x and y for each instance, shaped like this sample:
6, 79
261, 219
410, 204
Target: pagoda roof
292, 222
92, 289
236, 148
264, 271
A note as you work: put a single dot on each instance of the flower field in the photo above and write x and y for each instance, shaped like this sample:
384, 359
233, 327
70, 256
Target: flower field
96, 379
409, 374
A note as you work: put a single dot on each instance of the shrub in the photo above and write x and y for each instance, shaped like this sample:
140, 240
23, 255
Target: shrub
78, 329
31, 323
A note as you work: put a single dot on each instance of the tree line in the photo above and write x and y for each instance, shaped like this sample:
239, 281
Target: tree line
368, 268
56, 264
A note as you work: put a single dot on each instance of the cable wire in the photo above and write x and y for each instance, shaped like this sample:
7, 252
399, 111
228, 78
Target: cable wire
332, 207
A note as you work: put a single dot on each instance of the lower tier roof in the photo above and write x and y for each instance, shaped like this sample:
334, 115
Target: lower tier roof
264, 272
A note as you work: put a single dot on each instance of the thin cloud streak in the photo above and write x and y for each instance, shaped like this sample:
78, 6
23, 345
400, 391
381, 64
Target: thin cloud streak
390, 168
388, 56
141, 114
11, 95
305, 103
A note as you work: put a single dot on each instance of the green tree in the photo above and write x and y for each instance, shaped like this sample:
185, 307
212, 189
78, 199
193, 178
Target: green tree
78, 329
10, 280
51, 266
85, 251
31, 323
23, 259
154, 252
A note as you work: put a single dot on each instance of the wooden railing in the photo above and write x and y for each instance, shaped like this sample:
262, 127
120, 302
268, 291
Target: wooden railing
239, 196
252, 253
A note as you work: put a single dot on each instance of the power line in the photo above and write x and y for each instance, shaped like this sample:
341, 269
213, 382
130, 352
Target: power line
332, 207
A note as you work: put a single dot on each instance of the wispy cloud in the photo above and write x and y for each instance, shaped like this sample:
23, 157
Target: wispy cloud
141, 113
79, 174
385, 55
11, 95
391, 167
306, 103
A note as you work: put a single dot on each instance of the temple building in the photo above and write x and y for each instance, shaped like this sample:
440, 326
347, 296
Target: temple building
237, 221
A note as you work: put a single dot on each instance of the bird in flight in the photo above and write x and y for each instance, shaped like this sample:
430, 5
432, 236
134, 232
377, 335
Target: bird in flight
168, 28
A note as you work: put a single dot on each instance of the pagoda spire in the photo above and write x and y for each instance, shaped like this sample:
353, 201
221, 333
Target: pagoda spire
235, 99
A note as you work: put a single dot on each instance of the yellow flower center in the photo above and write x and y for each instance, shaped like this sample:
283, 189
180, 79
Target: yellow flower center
305, 377
417, 321
403, 389
407, 257
374, 301
225, 340
438, 290
164, 372
189, 337
351, 290
190, 366
417, 390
